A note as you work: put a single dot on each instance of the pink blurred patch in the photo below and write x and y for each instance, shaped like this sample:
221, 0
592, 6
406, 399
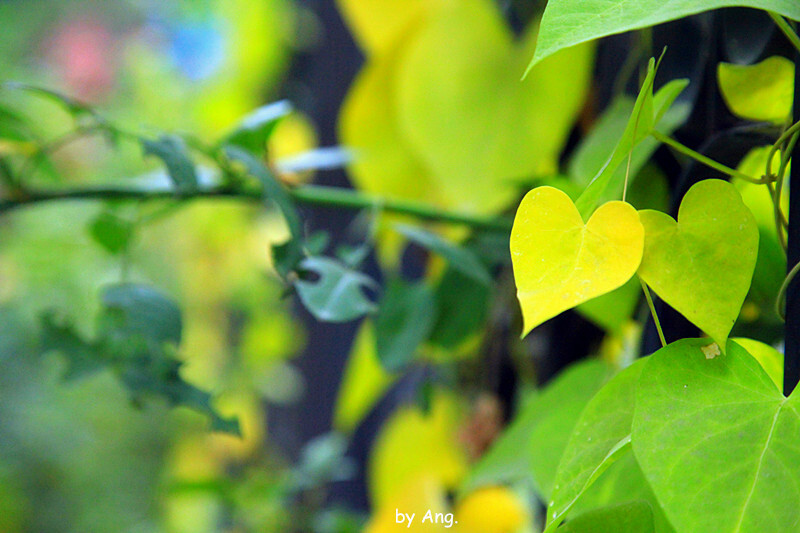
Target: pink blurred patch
82, 54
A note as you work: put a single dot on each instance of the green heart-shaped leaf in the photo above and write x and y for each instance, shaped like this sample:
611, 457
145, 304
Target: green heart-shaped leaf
703, 264
717, 441
566, 23
560, 262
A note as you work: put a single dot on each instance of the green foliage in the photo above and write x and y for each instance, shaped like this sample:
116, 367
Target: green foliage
716, 440
255, 129
404, 320
111, 231
647, 113
172, 150
634, 517
696, 437
600, 436
531, 446
459, 258
138, 331
566, 23
337, 295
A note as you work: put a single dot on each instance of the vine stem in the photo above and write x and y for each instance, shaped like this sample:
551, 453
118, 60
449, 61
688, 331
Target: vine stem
308, 194
653, 312
786, 29
707, 161
791, 359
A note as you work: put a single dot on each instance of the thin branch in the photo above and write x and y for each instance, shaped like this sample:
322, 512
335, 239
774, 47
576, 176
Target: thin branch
707, 161
309, 195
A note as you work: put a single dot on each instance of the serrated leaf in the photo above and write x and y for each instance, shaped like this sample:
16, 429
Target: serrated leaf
763, 91
155, 373
603, 429
633, 517
131, 310
338, 293
140, 328
687, 267
560, 261
172, 150
254, 130
111, 231
463, 260
404, 320
566, 23
717, 440
83, 357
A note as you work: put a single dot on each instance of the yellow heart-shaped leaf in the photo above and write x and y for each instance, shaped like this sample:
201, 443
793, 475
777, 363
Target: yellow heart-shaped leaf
560, 262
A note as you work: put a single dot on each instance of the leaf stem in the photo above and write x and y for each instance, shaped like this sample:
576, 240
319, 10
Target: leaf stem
700, 158
779, 300
653, 312
308, 194
786, 29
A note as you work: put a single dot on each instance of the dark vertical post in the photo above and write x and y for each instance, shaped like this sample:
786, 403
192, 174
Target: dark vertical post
791, 365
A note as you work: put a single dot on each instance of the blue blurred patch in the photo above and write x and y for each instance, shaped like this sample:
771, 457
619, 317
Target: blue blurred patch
197, 48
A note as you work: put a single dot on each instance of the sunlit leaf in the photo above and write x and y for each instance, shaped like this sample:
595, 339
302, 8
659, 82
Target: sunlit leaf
560, 262
338, 293
717, 440
763, 91
383, 161
686, 264
566, 23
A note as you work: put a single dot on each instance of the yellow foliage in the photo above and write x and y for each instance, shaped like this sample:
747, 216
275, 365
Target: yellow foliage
412, 444
363, 383
440, 114
491, 510
560, 262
